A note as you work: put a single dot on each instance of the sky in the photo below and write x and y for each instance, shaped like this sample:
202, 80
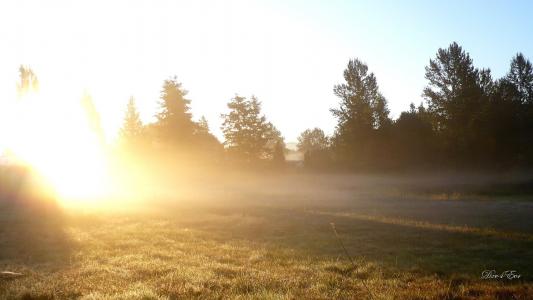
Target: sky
289, 54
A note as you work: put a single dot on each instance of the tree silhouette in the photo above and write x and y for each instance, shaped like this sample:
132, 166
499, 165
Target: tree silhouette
132, 127
470, 120
174, 123
205, 141
500, 133
515, 112
314, 144
362, 112
456, 95
28, 81
521, 76
312, 140
202, 126
413, 139
247, 133
274, 140
453, 86
278, 154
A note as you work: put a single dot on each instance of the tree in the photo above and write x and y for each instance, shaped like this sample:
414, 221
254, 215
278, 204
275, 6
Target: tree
132, 127
521, 77
357, 96
274, 139
502, 127
174, 121
361, 115
28, 81
512, 115
312, 140
205, 140
247, 133
381, 113
202, 126
278, 153
314, 144
457, 95
413, 139
453, 86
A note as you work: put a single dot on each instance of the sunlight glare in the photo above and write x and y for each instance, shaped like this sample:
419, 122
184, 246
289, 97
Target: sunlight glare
53, 137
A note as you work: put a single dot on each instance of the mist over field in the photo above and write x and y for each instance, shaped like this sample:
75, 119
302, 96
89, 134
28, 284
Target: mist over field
266, 150
275, 235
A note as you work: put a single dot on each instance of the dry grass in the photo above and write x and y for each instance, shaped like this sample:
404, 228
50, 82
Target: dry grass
275, 249
489, 232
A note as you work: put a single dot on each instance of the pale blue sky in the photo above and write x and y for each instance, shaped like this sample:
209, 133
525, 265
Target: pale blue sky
288, 53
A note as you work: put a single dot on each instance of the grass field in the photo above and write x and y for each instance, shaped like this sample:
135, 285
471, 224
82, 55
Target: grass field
275, 242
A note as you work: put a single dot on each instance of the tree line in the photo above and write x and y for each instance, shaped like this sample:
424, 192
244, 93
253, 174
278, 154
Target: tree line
469, 120
248, 137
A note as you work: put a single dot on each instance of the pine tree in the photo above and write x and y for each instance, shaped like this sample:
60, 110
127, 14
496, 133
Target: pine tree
174, 121
206, 141
132, 127
515, 112
412, 139
28, 81
247, 133
203, 126
521, 76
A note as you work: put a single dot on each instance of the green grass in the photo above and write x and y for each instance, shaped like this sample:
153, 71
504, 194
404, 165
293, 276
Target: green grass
271, 246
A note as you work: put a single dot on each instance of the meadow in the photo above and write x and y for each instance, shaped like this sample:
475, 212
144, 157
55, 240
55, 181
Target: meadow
292, 236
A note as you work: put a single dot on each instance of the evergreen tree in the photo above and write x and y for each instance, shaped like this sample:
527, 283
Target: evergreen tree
205, 140
521, 77
132, 127
413, 139
247, 133
203, 126
381, 113
499, 134
28, 81
174, 121
514, 114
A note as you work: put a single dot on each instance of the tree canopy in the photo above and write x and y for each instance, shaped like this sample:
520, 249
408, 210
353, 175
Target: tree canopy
248, 135
362, 115
469, 120
174, 120
132, 127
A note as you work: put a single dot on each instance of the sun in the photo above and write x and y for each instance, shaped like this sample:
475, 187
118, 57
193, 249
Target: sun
55, 138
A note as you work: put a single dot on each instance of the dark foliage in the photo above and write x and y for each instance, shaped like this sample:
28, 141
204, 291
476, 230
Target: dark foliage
471, 120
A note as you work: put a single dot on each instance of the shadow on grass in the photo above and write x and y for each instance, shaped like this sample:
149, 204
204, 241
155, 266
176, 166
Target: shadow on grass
31, 230
31, 237
426, 250
434, 250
